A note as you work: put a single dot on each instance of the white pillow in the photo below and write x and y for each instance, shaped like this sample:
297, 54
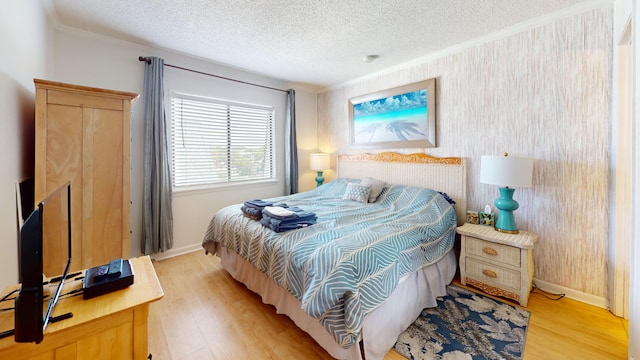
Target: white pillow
356, 192
376, 187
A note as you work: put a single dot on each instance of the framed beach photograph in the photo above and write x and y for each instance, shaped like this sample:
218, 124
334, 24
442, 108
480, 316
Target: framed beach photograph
402, 117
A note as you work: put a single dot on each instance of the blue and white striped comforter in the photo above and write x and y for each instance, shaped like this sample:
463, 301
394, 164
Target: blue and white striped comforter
351, 260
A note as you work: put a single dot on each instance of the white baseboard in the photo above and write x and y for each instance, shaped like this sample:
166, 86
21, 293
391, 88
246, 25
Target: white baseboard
178, 251
573, 294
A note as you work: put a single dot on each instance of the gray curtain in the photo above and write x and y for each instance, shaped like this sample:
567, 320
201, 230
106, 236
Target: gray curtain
157, 213
291, 147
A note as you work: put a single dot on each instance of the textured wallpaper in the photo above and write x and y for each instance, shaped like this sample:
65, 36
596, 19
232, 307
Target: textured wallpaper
543, 93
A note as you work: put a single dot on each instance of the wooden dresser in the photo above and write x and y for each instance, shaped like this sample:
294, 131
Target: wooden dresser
110, 326
82, 135
500, 264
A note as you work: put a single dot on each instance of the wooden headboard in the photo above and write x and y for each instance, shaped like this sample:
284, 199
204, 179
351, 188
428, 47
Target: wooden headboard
448, 175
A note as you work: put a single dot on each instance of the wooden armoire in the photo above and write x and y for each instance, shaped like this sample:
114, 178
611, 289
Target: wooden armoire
82, 135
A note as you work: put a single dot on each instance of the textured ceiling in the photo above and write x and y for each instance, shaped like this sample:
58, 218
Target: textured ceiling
319, 43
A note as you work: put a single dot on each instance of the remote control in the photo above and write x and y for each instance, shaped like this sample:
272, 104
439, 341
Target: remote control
101, 273
115, 268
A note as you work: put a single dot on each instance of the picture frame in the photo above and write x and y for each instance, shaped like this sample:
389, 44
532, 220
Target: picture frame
401, 117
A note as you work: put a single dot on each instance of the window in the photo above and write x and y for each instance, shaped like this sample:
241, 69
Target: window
216, 141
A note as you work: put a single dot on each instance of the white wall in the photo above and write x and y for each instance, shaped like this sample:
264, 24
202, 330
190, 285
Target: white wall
88, 59
25, 45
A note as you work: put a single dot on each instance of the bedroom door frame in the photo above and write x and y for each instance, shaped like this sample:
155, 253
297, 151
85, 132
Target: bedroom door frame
623, 168
634, 287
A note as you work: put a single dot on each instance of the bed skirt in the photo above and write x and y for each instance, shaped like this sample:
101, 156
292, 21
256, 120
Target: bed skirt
380, 328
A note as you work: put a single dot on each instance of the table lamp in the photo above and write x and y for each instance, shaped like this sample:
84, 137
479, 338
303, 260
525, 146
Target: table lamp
319, 162
507, 172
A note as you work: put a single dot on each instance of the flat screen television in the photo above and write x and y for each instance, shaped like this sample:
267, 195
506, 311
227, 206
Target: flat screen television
45, 234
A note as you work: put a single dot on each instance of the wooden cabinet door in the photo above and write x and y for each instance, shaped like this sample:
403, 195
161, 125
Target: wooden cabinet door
83, 136
59, 159
103, 204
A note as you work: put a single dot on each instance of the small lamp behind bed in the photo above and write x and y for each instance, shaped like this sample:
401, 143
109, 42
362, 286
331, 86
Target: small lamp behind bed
319, 162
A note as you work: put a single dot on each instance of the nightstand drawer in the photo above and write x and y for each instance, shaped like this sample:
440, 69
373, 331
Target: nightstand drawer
492, 274
494, 252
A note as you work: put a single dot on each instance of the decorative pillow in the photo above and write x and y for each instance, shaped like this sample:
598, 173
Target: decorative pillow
447, 197
356, 192
376, 187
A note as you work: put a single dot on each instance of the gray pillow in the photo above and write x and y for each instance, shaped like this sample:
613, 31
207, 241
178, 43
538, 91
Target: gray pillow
376, 187
356, 192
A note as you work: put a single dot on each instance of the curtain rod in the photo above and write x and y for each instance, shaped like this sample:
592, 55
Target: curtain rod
148, 61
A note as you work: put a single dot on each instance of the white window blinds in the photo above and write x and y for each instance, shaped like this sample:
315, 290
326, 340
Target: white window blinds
216, 141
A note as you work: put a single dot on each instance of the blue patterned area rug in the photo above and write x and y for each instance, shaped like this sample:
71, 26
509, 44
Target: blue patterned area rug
466, 325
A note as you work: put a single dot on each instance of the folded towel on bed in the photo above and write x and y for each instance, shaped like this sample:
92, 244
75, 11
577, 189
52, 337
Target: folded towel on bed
258, 203
279, 226
299, 214
253, 208
308, 220
252, 213
287, 219
278, 212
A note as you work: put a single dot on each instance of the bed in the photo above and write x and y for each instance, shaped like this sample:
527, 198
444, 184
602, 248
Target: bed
354, 280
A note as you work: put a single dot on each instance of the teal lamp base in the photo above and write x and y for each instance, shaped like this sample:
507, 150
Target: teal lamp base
505, 203
319, 179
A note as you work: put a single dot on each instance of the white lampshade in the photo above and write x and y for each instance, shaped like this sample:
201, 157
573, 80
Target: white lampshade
319, 162
506, 171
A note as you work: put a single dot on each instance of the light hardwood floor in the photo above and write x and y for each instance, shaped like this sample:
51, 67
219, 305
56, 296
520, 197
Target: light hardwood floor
205, 314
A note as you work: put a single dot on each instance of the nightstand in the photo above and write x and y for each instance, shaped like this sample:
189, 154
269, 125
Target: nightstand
500, 264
